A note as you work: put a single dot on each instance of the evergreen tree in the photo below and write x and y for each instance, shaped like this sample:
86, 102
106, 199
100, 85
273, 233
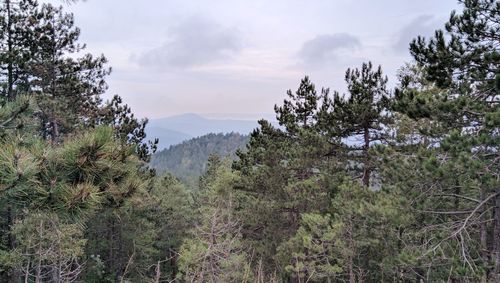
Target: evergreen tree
46, 249
300, 110
127, 127
215, 252
360, 187
285, 173
362, 114
463, 109
70, 182
140, 238
17, 22
69, 89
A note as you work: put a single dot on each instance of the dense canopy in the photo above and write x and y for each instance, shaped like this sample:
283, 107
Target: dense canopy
376, 184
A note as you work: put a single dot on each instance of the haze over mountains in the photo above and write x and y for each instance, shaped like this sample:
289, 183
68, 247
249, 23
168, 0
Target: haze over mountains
176, 129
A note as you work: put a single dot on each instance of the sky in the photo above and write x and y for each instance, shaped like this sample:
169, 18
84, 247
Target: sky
236, 58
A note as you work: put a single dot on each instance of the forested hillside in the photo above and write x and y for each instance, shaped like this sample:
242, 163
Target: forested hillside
188, 160
418, 200
179, 128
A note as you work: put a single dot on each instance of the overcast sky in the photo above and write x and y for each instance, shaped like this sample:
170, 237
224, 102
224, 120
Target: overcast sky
233, 56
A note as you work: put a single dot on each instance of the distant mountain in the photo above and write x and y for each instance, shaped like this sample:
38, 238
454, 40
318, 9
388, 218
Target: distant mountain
175, 129
241, 116
166, 137
188, 160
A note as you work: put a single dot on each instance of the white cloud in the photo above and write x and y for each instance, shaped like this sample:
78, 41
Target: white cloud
194, 42
423, 25
326, 48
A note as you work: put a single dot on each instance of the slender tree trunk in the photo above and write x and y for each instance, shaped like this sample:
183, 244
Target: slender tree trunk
173, 262
367, 167
352, 277
157, 273
483, 231
56, 273
496, 238
27, 273
55, 126
10, 240
121, 271
111, 243
350, 258
55, 130
38, 273
10, 68
10, 221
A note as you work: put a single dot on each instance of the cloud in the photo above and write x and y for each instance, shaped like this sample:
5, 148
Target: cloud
423, 25
326, 48
194, 42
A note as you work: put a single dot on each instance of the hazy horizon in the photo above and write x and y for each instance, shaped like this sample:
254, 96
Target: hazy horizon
239, 57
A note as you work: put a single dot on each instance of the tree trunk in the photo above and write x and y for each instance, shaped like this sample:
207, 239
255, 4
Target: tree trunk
38, 273
351, 251
496, 239
157, 273
111, 243
27, 273
56, 273
10, 68
366, 165
55, 130
55, 126
173, 262
483, 232
352, 277
10, 221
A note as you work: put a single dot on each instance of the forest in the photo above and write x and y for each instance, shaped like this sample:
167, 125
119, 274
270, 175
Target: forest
377, 184
188, 160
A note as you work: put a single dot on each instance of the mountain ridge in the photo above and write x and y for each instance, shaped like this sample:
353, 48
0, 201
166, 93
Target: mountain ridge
187, 160
175, 129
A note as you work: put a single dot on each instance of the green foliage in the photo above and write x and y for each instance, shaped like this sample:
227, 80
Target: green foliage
40, 55
300, 110
188, 160
362, 115
310, 253
452, 180
47, 248
140, 238
127, 128
214, 253
61, 188
16, 42
417, 200
76, 177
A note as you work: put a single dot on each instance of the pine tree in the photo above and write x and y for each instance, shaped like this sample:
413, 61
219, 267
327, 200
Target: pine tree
47, 248
69, 89
17, 20
285, 173
300, 110
71, 181
39, 54
127, 127
214, 253
362, 114
464, 68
